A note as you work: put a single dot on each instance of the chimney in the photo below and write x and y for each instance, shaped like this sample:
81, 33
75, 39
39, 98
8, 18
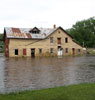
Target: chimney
54, 26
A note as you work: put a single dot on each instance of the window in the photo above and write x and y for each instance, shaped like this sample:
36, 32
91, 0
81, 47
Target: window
78, 50
51, 39
66, 40
58, 31
73, 51
40, 51
59, 40
16, 51
24, 51
35, 30
51, 50
66, 50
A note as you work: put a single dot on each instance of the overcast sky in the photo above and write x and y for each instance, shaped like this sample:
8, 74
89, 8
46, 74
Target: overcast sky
44, 13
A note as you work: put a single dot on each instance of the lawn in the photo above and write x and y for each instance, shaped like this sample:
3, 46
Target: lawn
73, 92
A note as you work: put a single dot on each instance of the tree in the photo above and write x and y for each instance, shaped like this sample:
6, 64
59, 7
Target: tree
84, 31
1, 37
1, 41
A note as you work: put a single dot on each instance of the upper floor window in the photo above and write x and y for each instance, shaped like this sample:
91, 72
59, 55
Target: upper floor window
51, 39
35, 30
66, 40
58, 31
59, 40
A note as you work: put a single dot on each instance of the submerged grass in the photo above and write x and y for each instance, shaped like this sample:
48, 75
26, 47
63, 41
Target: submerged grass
73, 92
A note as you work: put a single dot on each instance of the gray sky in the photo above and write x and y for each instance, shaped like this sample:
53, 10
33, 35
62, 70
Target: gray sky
44, 13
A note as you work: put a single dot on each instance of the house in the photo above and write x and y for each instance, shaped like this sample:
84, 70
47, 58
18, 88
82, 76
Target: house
27, 42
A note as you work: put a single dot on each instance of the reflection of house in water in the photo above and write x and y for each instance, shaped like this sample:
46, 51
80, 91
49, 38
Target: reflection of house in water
39, 42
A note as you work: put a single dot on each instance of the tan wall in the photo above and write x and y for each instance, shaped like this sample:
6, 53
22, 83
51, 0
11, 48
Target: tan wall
45, 44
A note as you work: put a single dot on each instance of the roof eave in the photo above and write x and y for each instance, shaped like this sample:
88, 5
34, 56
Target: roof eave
26, 38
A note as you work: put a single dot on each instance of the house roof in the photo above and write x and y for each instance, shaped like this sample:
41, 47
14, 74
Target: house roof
26, 32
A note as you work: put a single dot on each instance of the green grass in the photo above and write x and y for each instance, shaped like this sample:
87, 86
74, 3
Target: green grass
73, 92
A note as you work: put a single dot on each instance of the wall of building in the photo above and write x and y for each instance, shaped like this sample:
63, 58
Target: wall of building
45, 45
6, 46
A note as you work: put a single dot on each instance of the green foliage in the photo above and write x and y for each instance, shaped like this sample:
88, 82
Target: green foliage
84, 31
1, 43
1, 37
74, 92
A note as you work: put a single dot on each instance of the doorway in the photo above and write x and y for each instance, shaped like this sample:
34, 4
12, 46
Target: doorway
73, 51
33, 52
60, 51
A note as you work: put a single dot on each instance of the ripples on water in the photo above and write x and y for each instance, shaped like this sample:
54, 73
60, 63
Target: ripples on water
26, 73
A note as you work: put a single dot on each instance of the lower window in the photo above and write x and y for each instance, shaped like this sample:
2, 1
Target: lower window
40, 51
51, 50
66, 50
16, 51
78, 50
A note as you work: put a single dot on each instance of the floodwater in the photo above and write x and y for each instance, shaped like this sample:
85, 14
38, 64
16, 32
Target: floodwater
18, 74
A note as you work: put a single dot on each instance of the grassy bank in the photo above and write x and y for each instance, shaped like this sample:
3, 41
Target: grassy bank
91, 51
74, 92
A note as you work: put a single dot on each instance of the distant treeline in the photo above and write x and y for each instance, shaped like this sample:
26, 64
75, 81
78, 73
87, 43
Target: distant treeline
1, 43
1, 37
84, 32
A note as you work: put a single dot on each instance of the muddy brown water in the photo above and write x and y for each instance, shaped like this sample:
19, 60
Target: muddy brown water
18, 74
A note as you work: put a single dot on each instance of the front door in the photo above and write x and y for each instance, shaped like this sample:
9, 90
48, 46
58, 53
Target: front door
73, 51
60, 51
33, 52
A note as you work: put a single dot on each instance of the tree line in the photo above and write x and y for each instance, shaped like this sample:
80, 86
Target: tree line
1, 43
84, 32
1, 37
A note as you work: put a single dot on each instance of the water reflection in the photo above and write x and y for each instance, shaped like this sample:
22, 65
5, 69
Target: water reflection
26, 73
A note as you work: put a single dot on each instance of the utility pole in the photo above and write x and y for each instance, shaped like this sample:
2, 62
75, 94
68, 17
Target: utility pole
83, 44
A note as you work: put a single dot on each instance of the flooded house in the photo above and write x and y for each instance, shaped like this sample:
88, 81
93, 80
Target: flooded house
31, 42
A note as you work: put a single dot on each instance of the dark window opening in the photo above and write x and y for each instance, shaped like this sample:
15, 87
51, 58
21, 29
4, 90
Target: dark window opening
35, 30
66, 40
58, 31
66, 50
78, 50
51, 39
40, 51
59, 40
16, 51
51, 50
32, 52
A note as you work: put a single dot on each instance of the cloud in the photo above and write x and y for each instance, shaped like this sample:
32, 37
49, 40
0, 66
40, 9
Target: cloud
44, 13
